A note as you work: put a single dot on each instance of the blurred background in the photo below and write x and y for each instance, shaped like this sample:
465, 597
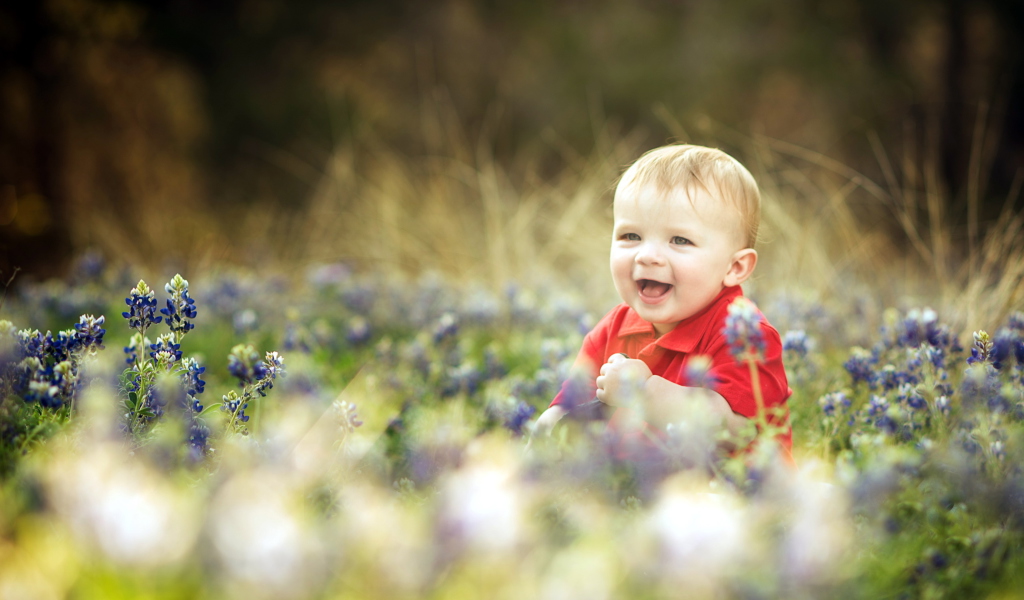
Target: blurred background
482, 137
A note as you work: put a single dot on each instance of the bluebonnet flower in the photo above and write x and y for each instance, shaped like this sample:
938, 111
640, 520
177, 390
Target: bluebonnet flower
1002, 346
981, 349
345, 413
921, 326
180, 307
743, 330
447, 327
519, 416
861, 365
909, 395
136, 344
244, 364
235, 405
165, 352
32, 343
198, 440
493, 367
836, 400
141, 307
879, 414
796, 342
888, 377
358, 331
979, 385
942, 404
358, 298
191, 380
273, 367
89, 333
697, 372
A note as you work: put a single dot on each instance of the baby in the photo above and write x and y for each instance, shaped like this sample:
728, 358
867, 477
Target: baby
686, 219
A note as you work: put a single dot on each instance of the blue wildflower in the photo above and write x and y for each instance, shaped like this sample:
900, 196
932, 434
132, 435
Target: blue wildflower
358, 331
141, 307
165, 351
910, 396
136, 344
235, 405
447, 327
32, 343
89, 333
244, 364
743, 330
879, 413
981, 349
796, 342
273, 367
1002, 346
697, 372
834, 401
519, 416
180, 307
860, 365
192, 382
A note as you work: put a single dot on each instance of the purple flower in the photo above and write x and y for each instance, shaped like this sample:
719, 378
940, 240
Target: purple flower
89, 332
836, 400
796, 342
180, 308
141, 307
743, 330
861, 366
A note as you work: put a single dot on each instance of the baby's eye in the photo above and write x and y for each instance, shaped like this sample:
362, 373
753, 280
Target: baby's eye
630, 237
681, 241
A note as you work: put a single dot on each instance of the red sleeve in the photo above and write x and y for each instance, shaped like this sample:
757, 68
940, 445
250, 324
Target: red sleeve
581, 385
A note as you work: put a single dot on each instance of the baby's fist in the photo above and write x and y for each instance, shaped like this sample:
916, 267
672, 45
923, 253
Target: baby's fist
621, 380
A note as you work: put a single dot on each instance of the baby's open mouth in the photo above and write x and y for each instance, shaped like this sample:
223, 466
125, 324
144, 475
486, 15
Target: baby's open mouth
652, 290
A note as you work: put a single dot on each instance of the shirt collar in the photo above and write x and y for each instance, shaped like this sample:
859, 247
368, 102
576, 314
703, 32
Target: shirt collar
685, 335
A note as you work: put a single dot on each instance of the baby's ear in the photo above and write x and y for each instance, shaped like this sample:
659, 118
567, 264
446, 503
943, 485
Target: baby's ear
743, 264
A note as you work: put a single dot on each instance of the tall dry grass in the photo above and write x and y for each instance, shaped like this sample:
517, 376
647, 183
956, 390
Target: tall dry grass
830, 233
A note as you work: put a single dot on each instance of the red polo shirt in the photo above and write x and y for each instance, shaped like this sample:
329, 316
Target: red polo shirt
622, 330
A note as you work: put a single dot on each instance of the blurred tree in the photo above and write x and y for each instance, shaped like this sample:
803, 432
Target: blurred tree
114, 108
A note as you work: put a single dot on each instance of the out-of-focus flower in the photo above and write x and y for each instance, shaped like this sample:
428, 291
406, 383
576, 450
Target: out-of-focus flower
698, 537
861, 366
245, 321
358, 331
743, 330
447, 327
125, 509
345, 413
698, 372
244, 364
796, 342
265, 544
834, 401
481, 507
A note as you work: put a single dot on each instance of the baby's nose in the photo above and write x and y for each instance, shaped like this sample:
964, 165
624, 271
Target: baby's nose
650, 254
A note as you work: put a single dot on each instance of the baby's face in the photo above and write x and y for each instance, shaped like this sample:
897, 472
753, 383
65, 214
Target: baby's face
670, 256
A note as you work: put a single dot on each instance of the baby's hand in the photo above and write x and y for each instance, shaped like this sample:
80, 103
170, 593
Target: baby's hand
622, 379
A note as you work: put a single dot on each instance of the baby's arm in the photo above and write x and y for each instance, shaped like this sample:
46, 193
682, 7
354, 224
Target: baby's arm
547, 420
662, 402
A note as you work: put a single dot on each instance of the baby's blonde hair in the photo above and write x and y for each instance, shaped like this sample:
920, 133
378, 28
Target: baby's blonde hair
685, 166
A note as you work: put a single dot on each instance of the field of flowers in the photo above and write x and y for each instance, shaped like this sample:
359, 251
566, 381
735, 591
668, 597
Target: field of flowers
337, 434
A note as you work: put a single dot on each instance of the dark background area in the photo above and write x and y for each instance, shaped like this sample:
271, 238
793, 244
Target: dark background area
151, 113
